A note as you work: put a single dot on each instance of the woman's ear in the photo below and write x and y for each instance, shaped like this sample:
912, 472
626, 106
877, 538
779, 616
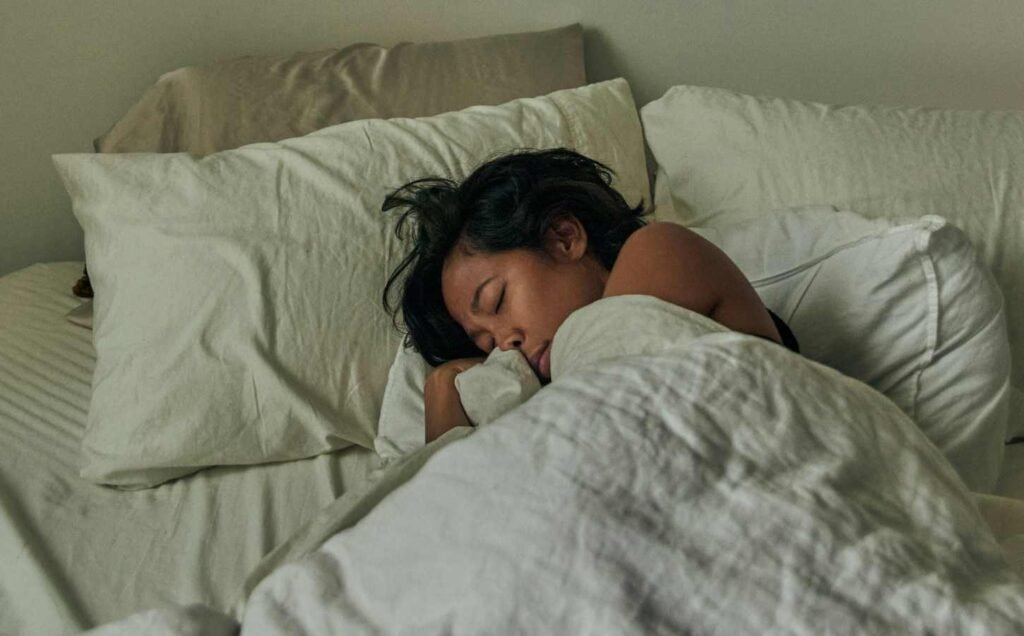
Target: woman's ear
565, 239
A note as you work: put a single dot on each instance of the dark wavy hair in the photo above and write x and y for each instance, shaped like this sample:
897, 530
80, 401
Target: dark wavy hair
506, 203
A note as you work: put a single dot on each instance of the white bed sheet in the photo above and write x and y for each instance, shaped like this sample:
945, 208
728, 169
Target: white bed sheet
75, 554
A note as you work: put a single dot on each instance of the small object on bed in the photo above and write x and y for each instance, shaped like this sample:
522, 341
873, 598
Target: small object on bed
83, 288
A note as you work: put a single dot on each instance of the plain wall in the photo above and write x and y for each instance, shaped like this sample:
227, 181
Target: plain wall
70, 68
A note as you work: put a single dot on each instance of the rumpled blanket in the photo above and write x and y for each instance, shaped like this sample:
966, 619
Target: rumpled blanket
673, 478
489, 390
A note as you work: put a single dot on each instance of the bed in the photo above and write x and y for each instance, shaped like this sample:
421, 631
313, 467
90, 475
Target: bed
118, 510
190, 541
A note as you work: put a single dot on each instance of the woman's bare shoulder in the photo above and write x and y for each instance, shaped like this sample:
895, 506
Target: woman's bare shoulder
678, 265
670, 262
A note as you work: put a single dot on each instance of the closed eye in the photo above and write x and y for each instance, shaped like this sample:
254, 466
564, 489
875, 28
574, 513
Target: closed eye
501, 299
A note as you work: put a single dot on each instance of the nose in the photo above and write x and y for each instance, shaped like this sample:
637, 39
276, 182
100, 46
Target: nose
512, 340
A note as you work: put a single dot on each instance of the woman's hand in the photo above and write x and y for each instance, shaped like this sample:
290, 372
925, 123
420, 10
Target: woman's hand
441, 400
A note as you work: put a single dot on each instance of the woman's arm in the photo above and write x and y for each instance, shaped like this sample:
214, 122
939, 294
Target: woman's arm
679, 266
441, 401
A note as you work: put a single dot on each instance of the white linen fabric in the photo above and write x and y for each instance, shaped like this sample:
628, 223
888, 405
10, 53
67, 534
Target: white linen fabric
904, 306
724, 157
502, 382
74, 554
622, 326
341, 514
173, 620
81, 315
721, 484
400, 429
237, 316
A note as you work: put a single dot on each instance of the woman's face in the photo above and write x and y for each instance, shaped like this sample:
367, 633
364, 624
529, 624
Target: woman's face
517, 299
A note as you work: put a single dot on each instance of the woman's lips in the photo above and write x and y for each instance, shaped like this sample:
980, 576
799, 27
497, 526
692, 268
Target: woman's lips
544, 364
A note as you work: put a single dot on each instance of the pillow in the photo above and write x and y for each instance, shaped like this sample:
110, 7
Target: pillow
230, 103
722, 157
402, 425
902, 306
227, 104
237, 317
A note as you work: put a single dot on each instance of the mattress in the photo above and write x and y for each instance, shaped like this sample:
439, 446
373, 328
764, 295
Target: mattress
75, 554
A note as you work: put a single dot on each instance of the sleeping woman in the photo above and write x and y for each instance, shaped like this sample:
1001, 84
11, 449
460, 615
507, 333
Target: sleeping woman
503, 258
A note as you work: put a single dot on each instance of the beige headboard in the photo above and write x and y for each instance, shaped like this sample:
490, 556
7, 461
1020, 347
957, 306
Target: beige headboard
70, 68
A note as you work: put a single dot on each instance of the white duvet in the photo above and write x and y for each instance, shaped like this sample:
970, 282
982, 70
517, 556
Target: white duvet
683, 479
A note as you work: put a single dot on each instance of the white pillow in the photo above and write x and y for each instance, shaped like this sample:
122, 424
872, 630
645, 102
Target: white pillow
724, 156
237, 316
402, 425
904, 307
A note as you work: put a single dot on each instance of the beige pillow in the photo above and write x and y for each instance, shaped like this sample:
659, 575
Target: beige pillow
238, 317
226, 104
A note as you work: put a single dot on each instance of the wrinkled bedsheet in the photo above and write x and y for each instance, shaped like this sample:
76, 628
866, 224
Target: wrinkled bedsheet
74, 554
717, 483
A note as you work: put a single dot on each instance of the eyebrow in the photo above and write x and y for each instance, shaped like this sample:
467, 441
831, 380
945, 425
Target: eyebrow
475, 305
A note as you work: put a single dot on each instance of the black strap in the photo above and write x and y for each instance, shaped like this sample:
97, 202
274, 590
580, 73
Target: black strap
788, 339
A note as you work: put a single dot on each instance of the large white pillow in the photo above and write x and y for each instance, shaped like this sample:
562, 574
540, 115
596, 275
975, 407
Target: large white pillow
902, 306
723, 156
238, 317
